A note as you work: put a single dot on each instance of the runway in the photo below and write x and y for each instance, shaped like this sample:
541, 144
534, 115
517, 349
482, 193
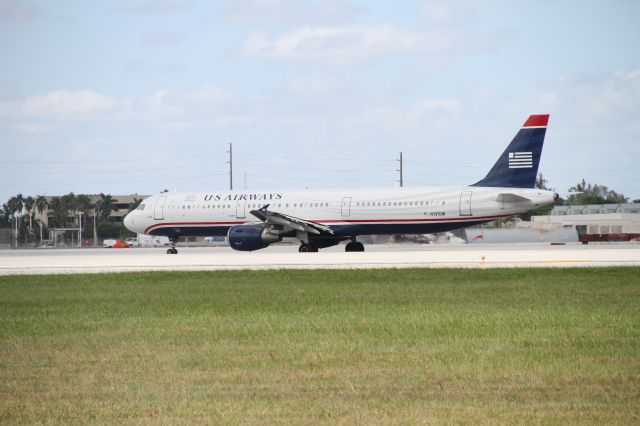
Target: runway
63, 261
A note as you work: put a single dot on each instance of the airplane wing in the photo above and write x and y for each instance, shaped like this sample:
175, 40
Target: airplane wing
290, 222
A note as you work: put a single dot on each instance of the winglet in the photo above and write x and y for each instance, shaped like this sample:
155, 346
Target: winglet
261, 213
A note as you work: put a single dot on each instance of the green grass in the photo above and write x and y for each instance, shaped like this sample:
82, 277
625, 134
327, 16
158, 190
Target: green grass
551, 346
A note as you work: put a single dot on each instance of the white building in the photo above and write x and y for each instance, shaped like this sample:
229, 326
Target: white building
593, 218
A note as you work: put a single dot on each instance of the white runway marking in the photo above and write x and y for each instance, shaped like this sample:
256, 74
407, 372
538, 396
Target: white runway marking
47, 261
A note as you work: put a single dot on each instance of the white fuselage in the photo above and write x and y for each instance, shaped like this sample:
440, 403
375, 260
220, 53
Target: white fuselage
348, 212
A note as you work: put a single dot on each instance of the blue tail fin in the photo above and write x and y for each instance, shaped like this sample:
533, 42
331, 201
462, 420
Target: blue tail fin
517, 167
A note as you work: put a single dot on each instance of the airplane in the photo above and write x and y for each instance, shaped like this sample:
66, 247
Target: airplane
253, 220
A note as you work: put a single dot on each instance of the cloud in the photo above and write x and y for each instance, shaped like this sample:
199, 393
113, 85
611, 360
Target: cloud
432, 113
357, 44
289, 12
445, 13
345, 45
14, 9
154, 6
312, 84
36, 114
613, 97
163, 37
62, 106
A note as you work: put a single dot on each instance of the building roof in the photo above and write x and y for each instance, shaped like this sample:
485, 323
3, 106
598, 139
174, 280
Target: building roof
598, 208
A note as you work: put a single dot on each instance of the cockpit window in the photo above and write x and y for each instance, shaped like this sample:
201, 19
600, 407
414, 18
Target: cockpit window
141, 207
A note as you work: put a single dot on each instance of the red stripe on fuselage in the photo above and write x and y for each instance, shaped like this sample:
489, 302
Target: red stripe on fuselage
447, 219
355, 221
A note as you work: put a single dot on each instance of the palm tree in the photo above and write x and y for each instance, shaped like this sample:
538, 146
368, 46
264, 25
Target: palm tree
41, 206
14, 207
135, 203
83, 205
4, 216
59, 212
69, 204
102, 209
28, 206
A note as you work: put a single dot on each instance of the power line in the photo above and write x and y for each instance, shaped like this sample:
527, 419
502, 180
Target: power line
121, 160
285, 157
114, 181
313, 179
319, 169
110, 171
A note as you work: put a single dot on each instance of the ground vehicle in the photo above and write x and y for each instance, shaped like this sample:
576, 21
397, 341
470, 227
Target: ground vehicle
114, 244
133, 242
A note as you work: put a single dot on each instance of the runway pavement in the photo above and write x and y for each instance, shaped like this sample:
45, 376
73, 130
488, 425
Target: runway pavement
51, 261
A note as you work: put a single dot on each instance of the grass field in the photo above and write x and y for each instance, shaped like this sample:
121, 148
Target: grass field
552, 346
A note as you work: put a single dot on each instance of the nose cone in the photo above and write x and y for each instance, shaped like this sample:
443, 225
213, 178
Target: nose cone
129, 221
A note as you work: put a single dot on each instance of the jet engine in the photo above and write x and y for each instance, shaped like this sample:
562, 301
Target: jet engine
251, 237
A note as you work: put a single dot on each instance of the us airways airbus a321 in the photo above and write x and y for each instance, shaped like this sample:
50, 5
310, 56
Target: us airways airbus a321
254, 220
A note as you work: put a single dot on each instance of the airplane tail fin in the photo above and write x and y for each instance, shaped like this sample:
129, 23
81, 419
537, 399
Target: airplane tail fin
517, 167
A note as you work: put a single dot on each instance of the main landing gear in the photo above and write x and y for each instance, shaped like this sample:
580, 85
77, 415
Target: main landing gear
307, 248
174, 239
312, 248
354, 246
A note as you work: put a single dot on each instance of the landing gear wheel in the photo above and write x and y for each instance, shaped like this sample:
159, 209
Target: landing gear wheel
354, 246
174, 240
307, 248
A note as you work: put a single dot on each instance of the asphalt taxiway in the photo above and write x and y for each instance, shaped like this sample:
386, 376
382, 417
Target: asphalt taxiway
62, 261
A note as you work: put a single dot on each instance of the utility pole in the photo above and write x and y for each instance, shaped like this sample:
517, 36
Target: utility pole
230, 166
401, 178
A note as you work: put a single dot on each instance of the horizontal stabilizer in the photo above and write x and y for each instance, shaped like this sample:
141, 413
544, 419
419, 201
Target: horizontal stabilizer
511, 198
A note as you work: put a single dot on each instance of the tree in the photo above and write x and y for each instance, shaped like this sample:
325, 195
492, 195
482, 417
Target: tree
28, 206
108, 205
594, 194
135, 203
59, 212
102, 209
69, 205
541, 183
41, 205
5, 221
14, 208
84, 206
636, 201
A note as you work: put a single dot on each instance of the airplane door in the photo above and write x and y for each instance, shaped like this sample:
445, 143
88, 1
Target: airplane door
465, 203
346, 207
158, 211
240, 209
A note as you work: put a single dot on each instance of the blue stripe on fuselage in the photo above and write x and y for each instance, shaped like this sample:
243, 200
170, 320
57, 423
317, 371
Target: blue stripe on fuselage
339, 230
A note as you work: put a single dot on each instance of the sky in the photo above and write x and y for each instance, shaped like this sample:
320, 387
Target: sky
134, 97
